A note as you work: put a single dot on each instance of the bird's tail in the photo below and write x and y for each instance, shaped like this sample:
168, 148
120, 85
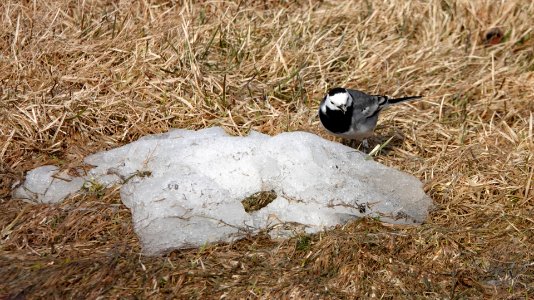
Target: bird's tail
400, 100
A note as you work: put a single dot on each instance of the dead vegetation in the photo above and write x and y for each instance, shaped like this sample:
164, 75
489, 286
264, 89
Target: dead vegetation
77, 77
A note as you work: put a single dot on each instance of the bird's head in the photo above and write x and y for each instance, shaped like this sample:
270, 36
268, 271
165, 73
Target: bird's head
338, 99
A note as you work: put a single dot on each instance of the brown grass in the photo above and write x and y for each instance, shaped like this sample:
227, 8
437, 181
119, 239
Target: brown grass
77, 77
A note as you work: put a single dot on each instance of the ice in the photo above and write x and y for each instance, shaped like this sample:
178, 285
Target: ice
47, 184
185, 188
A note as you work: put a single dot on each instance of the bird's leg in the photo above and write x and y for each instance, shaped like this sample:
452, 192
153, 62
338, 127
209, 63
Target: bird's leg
356, 144
365, 144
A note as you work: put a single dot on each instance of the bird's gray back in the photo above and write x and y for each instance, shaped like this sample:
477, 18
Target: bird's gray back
364, 116
362, 99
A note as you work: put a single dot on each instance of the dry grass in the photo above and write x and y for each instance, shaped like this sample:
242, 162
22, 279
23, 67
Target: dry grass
82, 76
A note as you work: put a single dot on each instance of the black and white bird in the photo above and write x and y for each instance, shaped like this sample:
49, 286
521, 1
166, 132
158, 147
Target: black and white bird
353, 114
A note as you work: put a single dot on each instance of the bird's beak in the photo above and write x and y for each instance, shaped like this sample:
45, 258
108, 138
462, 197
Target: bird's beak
343, 108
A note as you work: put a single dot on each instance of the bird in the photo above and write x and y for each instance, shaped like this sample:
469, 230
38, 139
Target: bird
353, 114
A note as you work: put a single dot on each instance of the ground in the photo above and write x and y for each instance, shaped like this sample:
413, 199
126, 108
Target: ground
78, 77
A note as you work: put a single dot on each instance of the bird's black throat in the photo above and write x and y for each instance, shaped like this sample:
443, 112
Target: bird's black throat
335, 120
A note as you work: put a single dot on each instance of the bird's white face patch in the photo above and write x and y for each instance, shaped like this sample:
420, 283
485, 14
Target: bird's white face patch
336, 101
